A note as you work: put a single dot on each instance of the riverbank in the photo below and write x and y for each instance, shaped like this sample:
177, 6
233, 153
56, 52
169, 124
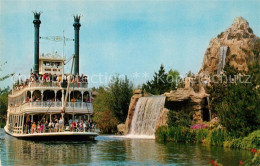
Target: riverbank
215, 137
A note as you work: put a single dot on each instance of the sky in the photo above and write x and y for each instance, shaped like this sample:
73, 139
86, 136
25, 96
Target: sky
130, 38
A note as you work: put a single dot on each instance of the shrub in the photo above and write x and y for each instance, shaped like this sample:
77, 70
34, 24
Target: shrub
251, 141
179, 119
181, 134
201, 135
237, 104
250, 30
218, 137
161, 133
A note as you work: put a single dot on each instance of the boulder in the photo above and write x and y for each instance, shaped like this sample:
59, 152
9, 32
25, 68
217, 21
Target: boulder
121, 129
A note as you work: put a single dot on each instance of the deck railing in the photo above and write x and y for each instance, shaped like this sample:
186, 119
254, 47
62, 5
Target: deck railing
51, 84
47, 104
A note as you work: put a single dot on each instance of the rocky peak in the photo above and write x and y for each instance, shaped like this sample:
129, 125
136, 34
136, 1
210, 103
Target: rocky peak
240, 40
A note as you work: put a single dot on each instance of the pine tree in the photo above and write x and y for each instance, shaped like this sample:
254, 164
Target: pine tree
160, 83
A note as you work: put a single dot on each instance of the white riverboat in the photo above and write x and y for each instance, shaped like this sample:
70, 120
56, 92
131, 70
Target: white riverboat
51, 105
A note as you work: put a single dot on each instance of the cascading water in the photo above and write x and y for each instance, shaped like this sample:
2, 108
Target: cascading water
147, 112
222, 58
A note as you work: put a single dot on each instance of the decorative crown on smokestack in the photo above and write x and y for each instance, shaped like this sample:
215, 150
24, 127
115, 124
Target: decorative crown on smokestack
37, 15
76, 18
76, 21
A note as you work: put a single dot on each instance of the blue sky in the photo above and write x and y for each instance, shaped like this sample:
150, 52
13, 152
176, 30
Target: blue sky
123, 37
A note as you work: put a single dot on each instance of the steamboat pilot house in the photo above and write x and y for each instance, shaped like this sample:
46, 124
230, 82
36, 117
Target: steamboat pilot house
50, 95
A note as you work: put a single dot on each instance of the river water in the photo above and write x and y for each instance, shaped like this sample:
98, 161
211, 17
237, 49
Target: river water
111, 150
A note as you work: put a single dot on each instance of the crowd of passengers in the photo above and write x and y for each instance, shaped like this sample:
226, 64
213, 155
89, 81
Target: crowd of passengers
37, 99
57, 125
51, 78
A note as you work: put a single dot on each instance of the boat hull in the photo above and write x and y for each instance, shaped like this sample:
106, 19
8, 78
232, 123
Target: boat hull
55, 136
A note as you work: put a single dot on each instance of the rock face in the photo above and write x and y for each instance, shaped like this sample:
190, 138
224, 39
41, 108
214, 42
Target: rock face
134, 99
189, 101
163, 118
241, 42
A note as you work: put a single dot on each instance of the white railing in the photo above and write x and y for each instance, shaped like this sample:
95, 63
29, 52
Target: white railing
47, 104
51, 84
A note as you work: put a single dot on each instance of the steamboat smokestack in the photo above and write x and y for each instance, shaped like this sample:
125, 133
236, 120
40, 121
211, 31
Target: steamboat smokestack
76, 39
36, 23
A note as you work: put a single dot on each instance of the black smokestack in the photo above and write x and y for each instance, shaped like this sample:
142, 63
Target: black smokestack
36, 23
76, 29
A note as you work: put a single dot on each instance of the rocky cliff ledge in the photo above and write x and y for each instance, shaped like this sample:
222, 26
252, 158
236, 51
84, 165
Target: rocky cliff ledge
243, 47
186, 99
131, 110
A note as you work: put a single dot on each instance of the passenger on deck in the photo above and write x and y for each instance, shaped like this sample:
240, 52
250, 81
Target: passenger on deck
28, 126
51, 126
61, 125
41, 127
33, 127
72, 126
38, 127
56, 129
46, 127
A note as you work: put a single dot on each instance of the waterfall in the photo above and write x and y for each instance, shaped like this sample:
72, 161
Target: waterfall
146, 115
222, 58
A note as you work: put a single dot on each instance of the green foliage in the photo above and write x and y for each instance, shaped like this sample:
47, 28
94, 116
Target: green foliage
162, 82
251, 141
174, 78
237, 103
218, 137
179, 119
161, 133
111, 104
175, 134
120, 92
250, 30
201, 135
239, 110
3, 104
103, 115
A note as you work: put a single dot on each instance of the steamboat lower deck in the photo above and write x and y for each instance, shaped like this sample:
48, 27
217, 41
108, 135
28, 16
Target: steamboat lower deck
55, 136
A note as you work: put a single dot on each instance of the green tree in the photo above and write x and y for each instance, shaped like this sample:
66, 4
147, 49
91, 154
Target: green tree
162, 82
3, 95
111, 104
103, 115
121, 91
174, 78
237, 103
3, 104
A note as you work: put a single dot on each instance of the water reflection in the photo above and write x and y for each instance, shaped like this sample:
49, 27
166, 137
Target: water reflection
108, 150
